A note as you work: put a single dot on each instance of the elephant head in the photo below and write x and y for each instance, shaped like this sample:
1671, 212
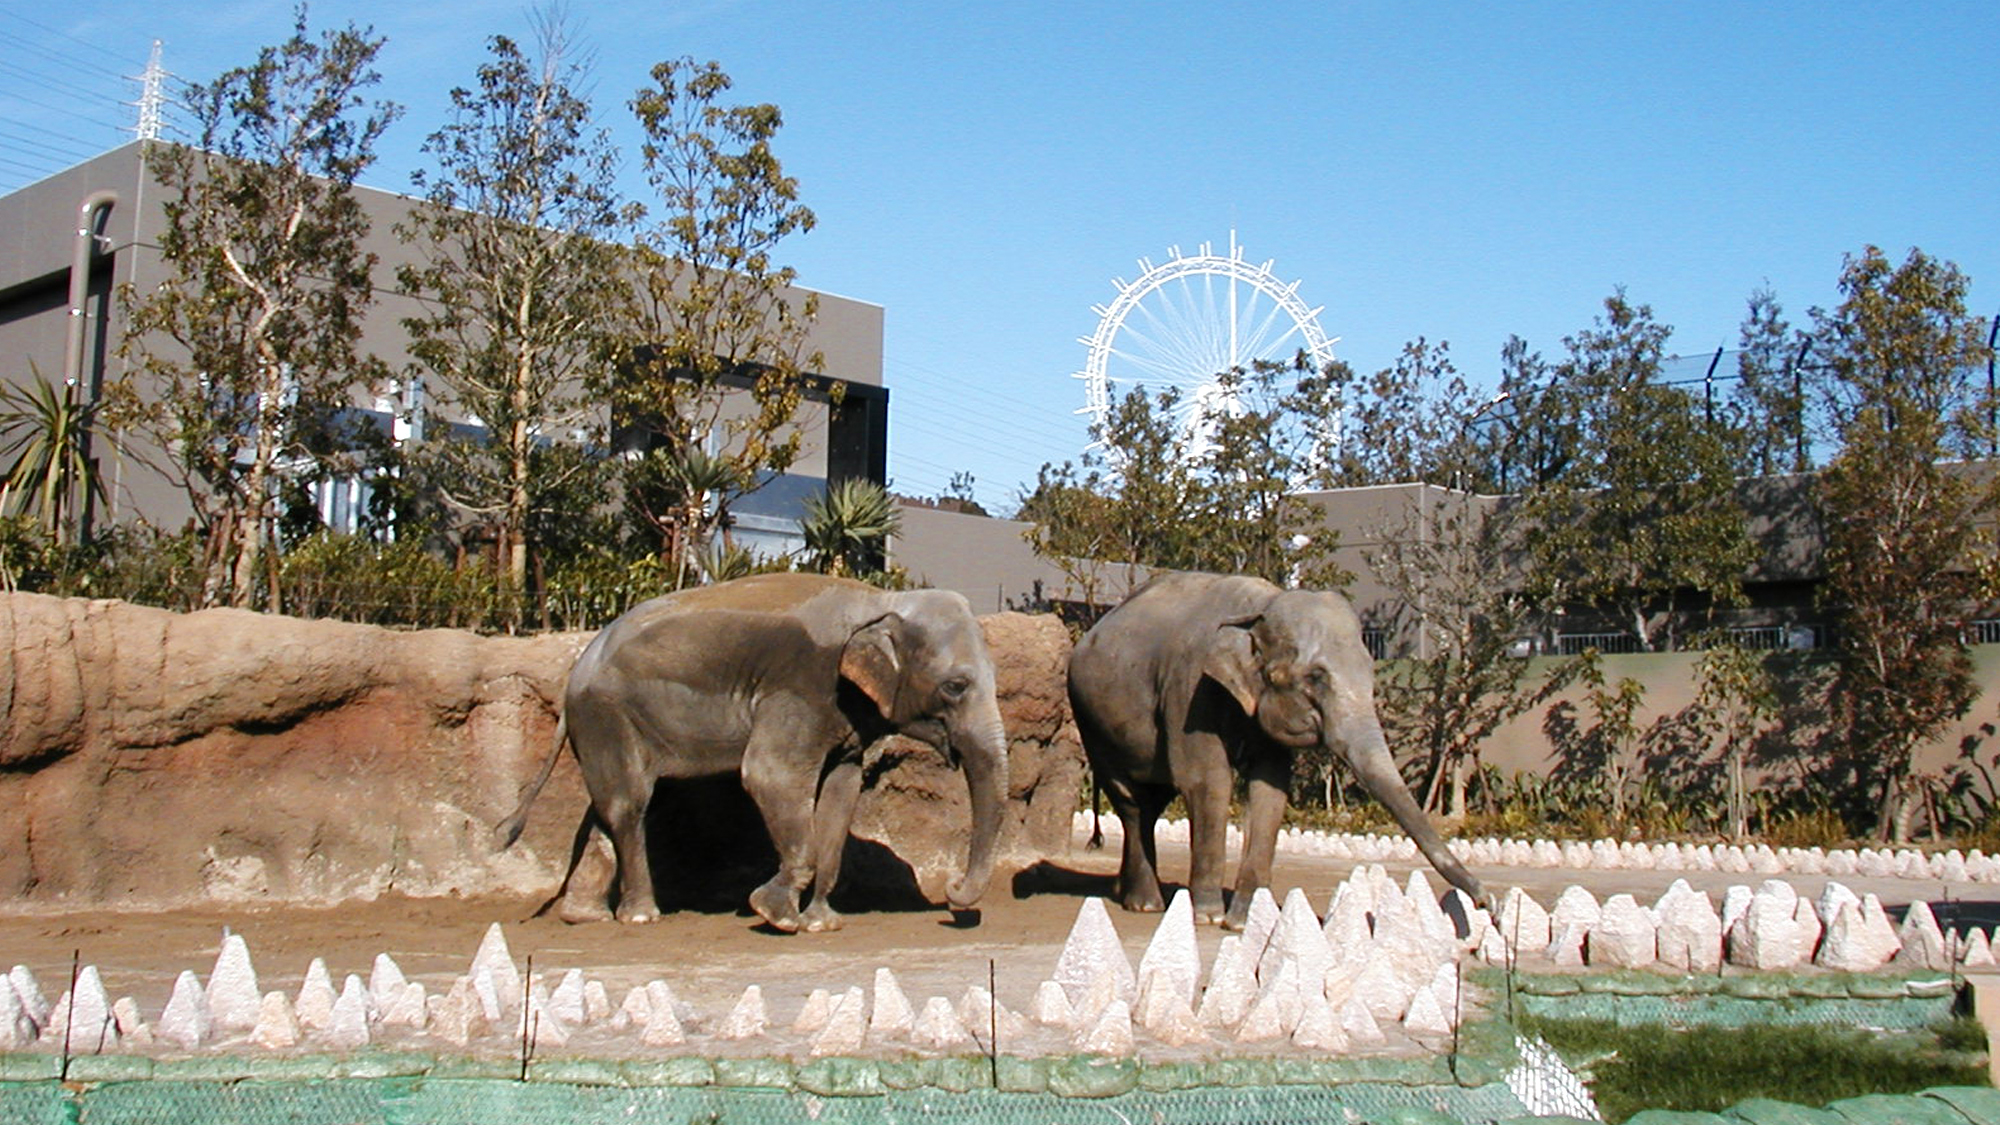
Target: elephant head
1299, 669
926, 669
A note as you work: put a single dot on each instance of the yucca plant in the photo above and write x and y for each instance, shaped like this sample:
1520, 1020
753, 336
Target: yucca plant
45, 431
847, 527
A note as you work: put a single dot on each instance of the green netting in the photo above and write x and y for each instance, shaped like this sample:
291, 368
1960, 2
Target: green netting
424, 1101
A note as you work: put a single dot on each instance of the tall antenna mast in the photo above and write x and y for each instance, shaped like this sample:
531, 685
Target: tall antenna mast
150, 97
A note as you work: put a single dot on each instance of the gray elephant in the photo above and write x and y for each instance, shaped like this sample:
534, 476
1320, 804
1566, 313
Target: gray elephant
786, 678
1198, 676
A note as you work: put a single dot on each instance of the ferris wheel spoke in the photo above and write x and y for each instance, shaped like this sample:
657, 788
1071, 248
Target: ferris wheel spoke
1184, 322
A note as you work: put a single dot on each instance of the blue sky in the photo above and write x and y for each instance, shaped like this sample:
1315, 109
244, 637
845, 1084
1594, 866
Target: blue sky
1455, 171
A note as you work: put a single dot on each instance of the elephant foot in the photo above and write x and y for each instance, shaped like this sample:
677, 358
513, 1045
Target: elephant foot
821, 919
1239, 914
778, 906
1142, 899
639, 915
1209, 911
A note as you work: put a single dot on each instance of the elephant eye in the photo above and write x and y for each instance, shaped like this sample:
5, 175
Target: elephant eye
1316, 678
953, 688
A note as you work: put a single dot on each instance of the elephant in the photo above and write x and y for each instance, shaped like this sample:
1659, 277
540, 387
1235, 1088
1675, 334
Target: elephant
785, 679
1197, 676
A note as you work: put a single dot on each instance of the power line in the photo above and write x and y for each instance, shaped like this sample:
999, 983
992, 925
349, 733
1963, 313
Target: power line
46, 29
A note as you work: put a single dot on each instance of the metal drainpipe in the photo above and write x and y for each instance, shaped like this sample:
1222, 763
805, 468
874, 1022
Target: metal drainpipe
79, 292
79, 280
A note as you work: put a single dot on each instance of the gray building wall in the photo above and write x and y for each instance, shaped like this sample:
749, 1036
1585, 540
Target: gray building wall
37, 236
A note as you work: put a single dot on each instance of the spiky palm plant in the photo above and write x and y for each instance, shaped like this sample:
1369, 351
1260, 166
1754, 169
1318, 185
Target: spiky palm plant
847, 527
45, 430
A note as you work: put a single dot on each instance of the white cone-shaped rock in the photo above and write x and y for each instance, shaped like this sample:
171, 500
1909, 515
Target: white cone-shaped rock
890, 1017
1264, 1024
1923, 941
662, 1027
1847, 946
233, 998
1735, 903
1359, 1024
1173, 952
1524, 924
659, 992
1977, 952
496, 962
347, 1027
981, 1015
29, 990
84, 1022
1768, 936
566, 1001
1830, 899
596, 1002
1111, 1035
1690, 931
846, 1026
938, 1028
747, 1019
1565, 949
1098, 997
1260, 925
314, 1008
16, 1029
1298, 940
1423, 902
1809, 928
409, 1007
131, 1025
1285, 995
1232, 987
1051, 1007
1318, 1030
1165, 1015
277, 1025
813, 1014
1574, 907
537, 1024
488, 994
385, 981
1093, 951
184, 1022
459, 1019
1493, 949
1624, 936
1382, 990
1349, 929
1425, 1016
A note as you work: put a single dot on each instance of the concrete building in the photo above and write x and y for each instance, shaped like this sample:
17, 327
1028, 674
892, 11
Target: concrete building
68, 242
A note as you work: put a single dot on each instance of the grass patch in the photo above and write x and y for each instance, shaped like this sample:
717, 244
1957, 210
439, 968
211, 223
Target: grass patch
1712, 1068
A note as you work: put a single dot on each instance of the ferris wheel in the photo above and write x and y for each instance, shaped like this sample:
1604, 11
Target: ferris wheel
1186, 320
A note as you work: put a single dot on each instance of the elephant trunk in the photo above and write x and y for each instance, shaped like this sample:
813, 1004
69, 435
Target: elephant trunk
984, 758
1368, 753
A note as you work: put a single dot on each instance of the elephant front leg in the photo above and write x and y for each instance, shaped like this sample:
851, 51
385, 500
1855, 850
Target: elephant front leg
1270, 775
1208, 843
783, 790
839, 790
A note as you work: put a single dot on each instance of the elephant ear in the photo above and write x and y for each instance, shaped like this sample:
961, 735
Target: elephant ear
1232, 662
870, 663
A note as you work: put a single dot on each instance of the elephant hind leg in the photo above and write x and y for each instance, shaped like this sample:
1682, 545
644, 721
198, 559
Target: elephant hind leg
784, 785
1138, 807
586, 892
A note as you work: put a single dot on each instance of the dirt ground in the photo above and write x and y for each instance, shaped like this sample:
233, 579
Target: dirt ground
709, 957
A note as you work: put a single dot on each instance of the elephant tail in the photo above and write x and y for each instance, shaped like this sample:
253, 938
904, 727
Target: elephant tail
509, 830
1096, 840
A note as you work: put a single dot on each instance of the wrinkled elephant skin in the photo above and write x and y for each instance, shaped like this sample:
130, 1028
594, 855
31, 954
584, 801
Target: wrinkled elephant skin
784, 679
1196, 677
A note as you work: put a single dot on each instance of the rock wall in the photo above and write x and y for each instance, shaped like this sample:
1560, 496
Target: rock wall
151, 759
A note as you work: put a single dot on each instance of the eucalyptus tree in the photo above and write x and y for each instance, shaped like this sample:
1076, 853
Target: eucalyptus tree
1639, 511
248, 352
713, 355
1906, 508
516, 275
